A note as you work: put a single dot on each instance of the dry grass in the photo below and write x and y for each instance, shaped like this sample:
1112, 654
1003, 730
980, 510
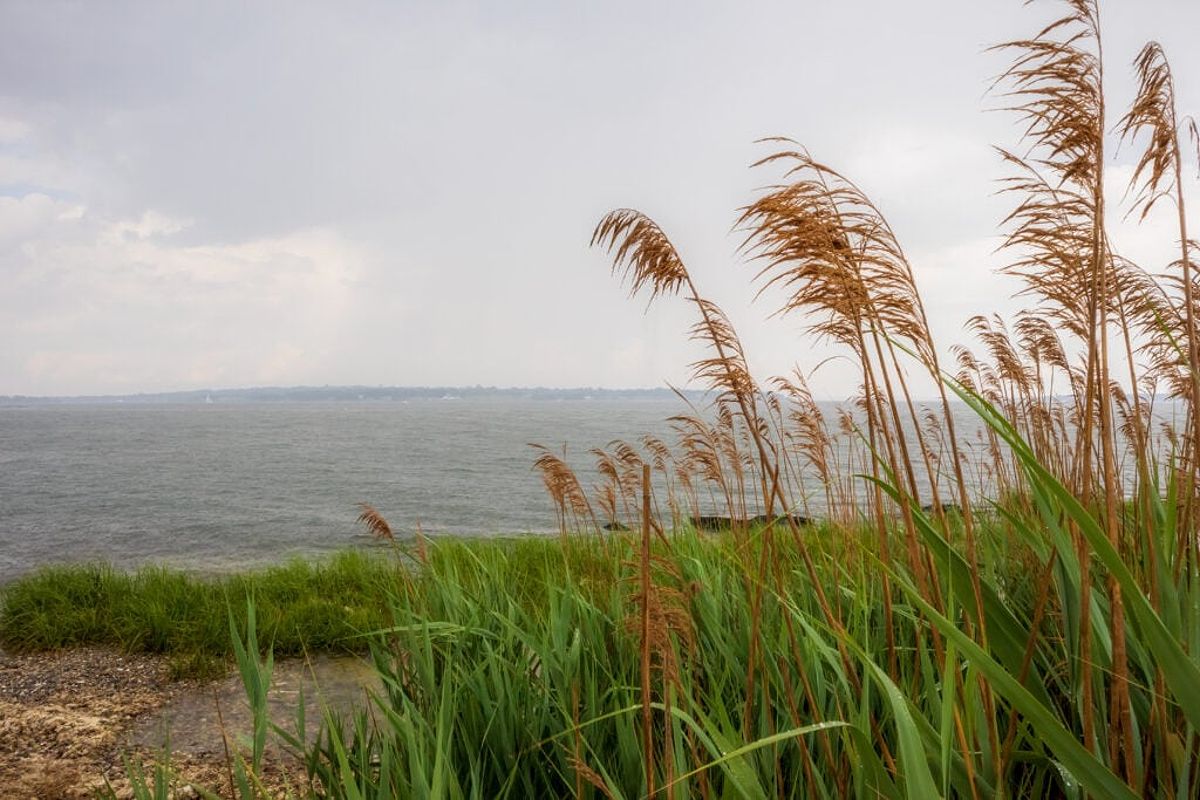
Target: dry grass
375, 522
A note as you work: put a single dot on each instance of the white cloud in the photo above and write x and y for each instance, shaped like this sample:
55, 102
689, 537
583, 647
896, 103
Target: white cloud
1152, 243
31, 216
118, 305
13, 130
150, 224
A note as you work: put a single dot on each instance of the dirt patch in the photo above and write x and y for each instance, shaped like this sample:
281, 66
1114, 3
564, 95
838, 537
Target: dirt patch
62, 716
69, 719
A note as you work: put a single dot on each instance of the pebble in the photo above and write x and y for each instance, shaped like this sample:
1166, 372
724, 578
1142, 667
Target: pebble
66, 721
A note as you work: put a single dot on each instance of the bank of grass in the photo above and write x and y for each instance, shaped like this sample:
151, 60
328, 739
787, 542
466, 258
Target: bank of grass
511, 668
313, 606
523, 669
331, 605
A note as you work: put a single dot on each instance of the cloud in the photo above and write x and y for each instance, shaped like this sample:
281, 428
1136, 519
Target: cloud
12, 131
1153, 242
96, 304
29, 216
403, 192
150, 224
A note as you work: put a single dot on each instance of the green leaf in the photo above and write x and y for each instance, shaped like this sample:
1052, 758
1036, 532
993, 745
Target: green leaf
1085, 767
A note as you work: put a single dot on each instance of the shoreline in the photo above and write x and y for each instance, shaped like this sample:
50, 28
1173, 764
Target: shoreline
218, 567
70, 718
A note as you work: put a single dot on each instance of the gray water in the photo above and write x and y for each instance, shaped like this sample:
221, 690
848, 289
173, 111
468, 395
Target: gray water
222, 485
217, 486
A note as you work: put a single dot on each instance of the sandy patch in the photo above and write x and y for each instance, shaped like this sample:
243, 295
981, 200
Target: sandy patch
68, 720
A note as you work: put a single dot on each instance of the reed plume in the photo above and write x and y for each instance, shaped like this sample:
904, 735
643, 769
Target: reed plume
1158, 174
646, 259
1057, 84
375, 522
563, 486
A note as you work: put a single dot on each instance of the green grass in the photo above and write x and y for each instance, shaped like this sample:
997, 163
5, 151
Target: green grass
512, 670
301, 606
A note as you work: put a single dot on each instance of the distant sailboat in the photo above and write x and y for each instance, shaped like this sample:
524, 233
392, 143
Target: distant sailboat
208, 398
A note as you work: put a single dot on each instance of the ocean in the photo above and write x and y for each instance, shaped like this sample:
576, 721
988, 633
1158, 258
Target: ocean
222, 485
214, 486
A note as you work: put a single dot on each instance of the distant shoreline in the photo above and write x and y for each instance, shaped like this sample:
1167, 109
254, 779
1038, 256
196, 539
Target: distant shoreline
380, 394
354, 394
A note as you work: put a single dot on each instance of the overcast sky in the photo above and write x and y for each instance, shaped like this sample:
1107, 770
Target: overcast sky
216, 195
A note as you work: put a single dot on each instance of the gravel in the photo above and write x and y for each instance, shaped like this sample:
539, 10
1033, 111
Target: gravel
67, 719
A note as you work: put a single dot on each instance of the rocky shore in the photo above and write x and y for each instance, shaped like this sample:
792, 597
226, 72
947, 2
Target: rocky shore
68, 721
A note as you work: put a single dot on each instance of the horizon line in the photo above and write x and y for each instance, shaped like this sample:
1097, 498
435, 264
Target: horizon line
472, 387
448, 391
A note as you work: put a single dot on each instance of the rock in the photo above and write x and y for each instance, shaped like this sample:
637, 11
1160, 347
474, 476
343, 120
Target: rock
947, 508
711, 522
781, 520
720, 523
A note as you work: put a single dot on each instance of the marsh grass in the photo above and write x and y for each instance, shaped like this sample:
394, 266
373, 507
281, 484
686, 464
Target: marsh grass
302, 607
510, 668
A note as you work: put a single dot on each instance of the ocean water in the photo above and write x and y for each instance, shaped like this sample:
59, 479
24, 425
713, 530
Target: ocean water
231, 484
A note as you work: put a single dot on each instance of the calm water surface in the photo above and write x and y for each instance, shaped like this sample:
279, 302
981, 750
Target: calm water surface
214, 486
222, 485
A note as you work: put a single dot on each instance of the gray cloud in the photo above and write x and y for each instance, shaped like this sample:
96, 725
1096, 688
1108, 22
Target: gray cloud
402, 192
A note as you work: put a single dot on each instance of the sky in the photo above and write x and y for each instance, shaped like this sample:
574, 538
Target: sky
218, 195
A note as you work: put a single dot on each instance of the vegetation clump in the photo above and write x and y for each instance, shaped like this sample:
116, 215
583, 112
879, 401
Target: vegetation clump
303, 607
